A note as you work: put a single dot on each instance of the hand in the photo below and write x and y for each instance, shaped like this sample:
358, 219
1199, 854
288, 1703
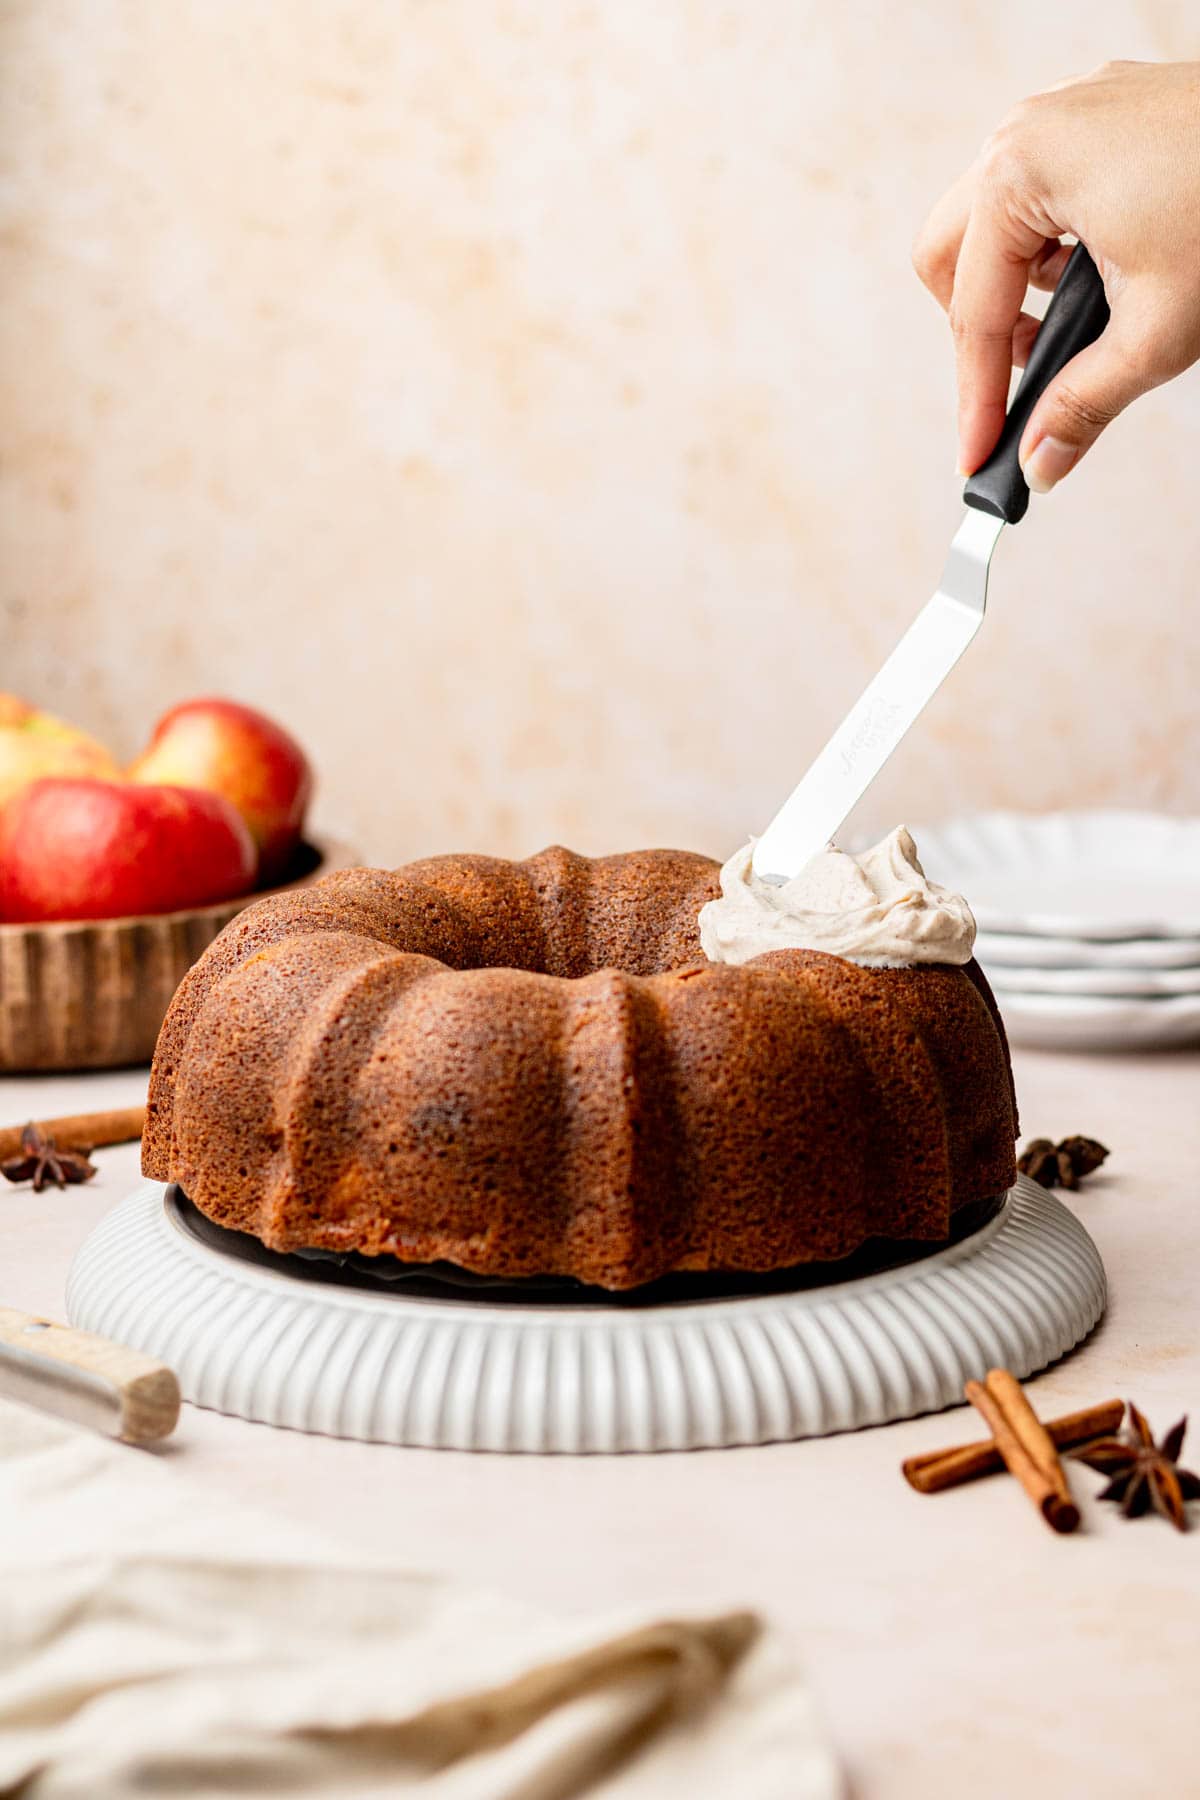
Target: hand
1112, 159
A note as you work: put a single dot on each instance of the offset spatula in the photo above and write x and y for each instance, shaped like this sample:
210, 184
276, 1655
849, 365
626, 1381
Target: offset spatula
996, 495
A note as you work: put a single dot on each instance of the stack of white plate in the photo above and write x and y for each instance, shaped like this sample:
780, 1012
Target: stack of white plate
1089, 922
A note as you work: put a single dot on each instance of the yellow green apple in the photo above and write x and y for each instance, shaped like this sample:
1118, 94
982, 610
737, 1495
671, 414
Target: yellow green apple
35, 743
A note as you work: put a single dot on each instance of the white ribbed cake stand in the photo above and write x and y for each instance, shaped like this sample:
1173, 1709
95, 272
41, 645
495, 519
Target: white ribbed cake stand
267, 1338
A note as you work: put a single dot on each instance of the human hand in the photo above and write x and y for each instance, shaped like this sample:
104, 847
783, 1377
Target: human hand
1113, 159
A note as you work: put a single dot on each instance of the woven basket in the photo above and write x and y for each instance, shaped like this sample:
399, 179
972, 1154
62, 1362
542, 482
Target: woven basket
92, 993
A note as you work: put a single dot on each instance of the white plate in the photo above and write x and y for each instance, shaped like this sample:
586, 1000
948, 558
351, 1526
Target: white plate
1056, 1022
265, 1337
1020, 950
1095, 875
1138, 984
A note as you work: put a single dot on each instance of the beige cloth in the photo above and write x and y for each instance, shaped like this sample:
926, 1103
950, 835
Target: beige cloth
151, 1644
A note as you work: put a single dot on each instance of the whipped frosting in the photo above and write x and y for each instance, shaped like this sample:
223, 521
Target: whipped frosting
879, 909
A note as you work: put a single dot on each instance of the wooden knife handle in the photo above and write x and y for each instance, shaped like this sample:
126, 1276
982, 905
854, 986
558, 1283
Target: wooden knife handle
86, 1378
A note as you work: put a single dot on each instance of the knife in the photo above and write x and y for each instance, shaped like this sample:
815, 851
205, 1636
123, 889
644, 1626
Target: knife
995, 496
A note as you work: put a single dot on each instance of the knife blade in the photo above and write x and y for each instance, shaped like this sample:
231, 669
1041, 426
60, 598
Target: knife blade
995, 495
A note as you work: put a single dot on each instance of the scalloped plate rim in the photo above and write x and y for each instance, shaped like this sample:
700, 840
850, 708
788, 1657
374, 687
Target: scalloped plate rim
1018, 950
1093, 984
1099, 1021
961, 850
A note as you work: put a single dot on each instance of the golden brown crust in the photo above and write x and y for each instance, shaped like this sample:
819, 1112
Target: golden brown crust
529, 1068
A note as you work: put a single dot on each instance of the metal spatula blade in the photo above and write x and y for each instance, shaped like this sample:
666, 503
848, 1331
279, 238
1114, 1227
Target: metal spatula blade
908, 680
996, 495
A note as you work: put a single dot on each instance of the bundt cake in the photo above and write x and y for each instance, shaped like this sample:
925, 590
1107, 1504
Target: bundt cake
530, 1067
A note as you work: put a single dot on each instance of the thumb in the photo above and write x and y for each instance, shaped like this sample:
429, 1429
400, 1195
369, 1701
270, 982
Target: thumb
1083, 398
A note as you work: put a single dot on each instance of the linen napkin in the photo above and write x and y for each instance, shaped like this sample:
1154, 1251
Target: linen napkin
153, 1644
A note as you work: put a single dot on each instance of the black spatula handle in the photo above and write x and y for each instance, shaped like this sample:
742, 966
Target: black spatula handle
1075, 317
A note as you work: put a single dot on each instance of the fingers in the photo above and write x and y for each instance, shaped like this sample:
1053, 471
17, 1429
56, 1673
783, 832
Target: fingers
1082, 399
935, 251
990, 280
1047, 266
935, 256
1025, 331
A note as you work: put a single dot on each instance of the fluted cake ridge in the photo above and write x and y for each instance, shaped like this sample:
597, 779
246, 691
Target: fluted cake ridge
531, 1068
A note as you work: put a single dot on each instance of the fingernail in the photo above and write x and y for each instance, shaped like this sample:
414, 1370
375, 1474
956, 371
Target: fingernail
1050, 460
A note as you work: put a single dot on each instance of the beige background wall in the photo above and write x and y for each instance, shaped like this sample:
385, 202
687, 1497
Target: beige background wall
532, 403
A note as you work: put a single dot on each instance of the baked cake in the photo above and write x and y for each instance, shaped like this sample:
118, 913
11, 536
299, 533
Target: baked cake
532, 1068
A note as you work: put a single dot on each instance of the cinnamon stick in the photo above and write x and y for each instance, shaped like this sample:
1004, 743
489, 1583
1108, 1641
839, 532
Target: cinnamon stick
933, 1471
1026, 1446
80, 1131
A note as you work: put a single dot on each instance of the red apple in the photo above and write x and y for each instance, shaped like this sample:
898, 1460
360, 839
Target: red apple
235, 751
33, 744
106, 849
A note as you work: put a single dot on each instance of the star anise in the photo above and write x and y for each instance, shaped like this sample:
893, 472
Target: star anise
1063, 1164
1143, 1473
42, 1162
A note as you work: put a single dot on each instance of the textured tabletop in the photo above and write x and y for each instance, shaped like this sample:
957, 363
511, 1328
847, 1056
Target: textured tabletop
956, 1644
